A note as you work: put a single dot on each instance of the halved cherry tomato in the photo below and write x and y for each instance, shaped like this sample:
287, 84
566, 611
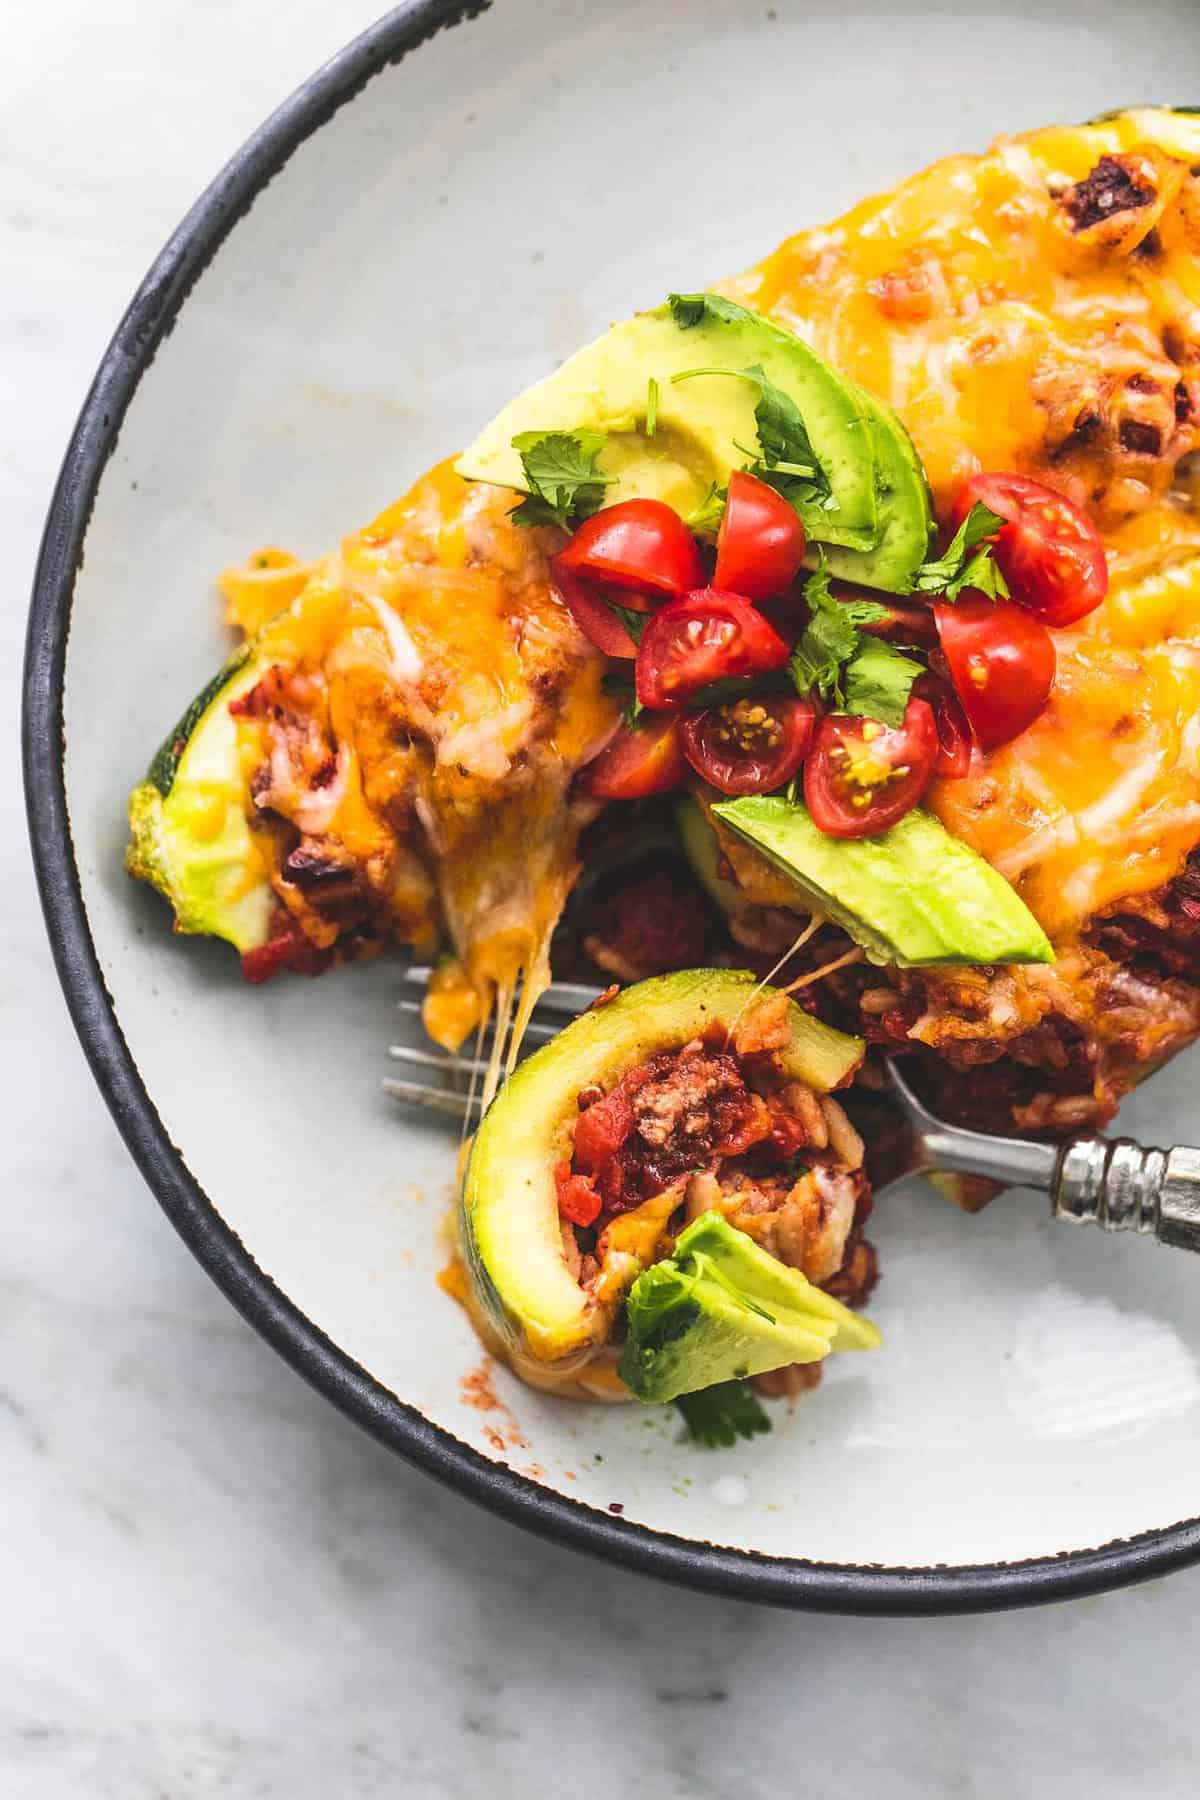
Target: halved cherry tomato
953, 759
862, 776
1001, 661
594, 616
636, 544
1049, 553
704, 637
760, 545
749, 746
642, 759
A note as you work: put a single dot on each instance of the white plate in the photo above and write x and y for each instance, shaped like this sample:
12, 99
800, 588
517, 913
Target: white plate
432, 222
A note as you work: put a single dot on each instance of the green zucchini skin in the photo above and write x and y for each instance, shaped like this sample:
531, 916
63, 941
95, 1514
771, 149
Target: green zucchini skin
509, 1229
209, 870
164, 765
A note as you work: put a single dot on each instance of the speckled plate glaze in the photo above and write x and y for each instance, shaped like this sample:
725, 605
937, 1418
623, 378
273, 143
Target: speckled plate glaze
456, 201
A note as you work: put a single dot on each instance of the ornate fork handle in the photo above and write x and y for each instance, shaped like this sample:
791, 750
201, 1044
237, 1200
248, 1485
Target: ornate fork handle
1119, 1185
1110, 1182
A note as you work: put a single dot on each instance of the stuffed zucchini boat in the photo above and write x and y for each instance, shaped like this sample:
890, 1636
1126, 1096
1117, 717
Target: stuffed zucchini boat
656, 1199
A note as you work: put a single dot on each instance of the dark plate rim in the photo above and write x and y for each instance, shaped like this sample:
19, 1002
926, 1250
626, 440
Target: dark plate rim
741, 1574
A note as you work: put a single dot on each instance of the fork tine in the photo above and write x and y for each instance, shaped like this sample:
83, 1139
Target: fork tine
439, 1100
565, 997
432, 1059
537, 1028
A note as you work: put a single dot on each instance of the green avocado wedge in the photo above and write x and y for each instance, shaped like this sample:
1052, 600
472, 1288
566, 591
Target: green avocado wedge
188, 832
905, 512
913, 895
719, 1308
704, 425
510, 1232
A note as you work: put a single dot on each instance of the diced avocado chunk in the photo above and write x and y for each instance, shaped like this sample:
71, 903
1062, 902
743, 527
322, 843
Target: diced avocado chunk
911, 896
188, 832
720, 1308
509, 1224
705, 425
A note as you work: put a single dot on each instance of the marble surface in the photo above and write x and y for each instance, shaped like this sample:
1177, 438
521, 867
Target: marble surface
212, 1584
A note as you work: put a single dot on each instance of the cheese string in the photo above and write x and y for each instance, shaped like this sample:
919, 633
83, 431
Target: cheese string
814, 923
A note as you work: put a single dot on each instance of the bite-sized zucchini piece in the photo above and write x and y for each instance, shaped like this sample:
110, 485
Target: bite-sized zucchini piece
509, 1220
720, 1308
188, 831
911, 896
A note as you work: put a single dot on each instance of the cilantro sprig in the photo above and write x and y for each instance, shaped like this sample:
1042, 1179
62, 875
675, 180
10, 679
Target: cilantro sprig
834, 658
564, 483
967, 561
705, 518
688, 310
718, 1416
785, 458
878, 681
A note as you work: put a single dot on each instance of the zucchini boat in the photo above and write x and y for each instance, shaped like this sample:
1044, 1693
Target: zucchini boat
689, 1095
189, 834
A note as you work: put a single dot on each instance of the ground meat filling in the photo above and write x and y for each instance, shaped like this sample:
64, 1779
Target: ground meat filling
722, 1124
679, 1111
1115, 185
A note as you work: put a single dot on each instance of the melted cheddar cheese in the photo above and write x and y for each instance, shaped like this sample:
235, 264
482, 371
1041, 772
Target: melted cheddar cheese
436, 700
1007, 337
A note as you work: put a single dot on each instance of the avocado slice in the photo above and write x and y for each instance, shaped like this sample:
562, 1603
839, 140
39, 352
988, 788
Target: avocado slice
188, 832
905, 512
509, 1224
911, 896
720, 1308
701, 849
705, 425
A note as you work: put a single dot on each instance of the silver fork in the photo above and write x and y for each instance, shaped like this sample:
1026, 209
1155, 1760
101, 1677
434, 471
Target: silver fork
1111, 1182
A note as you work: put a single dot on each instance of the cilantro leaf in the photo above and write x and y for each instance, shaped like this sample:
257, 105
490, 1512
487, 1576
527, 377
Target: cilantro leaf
785, 459
624, 691
692, 309
634, 622
865, 612
789, 463
967, 560
564, 482
718, 1416
878, 681
827, 641
707, 516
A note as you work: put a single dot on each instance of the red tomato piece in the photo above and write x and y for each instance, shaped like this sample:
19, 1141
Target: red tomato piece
701, 638
578, 1200
953, 759
646, 758
594, 616
1001, 661
760, 545
862, 776
601, 1129
285, 948
636, 544
750, 746
1050, 553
